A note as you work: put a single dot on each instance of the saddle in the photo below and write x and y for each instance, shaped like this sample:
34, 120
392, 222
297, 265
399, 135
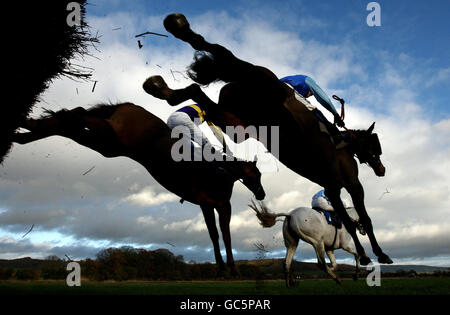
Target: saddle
331, 217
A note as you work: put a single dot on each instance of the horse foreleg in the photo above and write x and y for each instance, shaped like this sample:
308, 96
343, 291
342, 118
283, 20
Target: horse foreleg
330, 255
357, 193
335, 199
235, 68
224, 221
348, 248
210, 220
319, 247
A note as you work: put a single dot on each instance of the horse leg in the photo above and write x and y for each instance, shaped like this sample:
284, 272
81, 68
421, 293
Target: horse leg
357, 193
27, 137
319, 247
210, 220
230, 68
291, 243
49, 126
330, 255
157, 87
224, 221
348, 248
335, 199
289, 278
78, 125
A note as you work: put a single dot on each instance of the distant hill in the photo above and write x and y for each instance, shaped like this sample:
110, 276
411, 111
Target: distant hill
416, 268
265, 268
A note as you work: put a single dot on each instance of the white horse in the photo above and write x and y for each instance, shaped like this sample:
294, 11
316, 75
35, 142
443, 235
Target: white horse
311, 226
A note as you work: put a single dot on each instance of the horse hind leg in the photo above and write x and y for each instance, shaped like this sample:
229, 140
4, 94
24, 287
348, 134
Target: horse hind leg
224, 221
291, 243
210, 220
62, 123
290, 252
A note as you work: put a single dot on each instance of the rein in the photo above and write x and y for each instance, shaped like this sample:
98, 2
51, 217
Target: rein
341, 100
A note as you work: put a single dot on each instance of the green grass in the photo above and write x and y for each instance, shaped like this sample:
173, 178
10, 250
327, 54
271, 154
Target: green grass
420, 286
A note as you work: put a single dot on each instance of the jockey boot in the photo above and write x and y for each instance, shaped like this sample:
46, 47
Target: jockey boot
337, 221
331, 128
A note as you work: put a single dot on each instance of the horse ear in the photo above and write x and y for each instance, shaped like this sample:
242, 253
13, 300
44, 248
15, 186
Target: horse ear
371, 128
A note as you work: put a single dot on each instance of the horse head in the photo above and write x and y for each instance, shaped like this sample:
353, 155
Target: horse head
251, 178
368, 150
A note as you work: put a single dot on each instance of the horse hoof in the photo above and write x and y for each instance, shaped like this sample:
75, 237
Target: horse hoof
364, 260
157, 87
384, 259
177, 25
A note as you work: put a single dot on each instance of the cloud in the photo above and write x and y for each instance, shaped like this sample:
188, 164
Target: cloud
120, 203
147, 197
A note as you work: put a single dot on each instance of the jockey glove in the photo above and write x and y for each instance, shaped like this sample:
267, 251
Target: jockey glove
338, 120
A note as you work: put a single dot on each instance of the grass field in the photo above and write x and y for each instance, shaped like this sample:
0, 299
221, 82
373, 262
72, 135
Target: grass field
418, 286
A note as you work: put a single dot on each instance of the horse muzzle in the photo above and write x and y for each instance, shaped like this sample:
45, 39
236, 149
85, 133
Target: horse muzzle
260, 194
380, 170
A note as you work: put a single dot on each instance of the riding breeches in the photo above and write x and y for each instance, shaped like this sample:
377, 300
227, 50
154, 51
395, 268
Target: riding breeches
191, 130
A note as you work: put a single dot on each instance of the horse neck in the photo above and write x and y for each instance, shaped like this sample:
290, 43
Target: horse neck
351, 137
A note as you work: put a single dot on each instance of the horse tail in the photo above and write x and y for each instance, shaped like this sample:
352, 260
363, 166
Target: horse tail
204, 69
266, 218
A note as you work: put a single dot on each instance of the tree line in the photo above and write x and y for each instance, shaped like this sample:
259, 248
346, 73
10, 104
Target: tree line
128, 263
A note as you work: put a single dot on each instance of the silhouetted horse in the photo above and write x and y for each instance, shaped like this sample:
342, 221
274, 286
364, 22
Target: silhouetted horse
253, 96
129, 130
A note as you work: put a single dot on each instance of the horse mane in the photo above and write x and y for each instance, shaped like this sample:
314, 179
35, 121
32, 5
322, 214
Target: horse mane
204, 70
101, 110
348, 136
104, 110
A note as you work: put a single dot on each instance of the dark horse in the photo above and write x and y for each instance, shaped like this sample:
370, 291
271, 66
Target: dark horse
254, 96
129, 130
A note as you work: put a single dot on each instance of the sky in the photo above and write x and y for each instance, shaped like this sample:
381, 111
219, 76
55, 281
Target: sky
396, 74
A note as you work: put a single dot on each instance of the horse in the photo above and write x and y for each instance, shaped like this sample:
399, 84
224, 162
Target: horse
129, 130
312, 227
254, 96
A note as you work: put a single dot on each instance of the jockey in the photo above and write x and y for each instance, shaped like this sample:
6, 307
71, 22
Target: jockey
192, 117
306, 87
320, 202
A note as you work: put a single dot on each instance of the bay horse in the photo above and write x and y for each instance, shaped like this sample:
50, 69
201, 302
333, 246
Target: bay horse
254, 96
129, 130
